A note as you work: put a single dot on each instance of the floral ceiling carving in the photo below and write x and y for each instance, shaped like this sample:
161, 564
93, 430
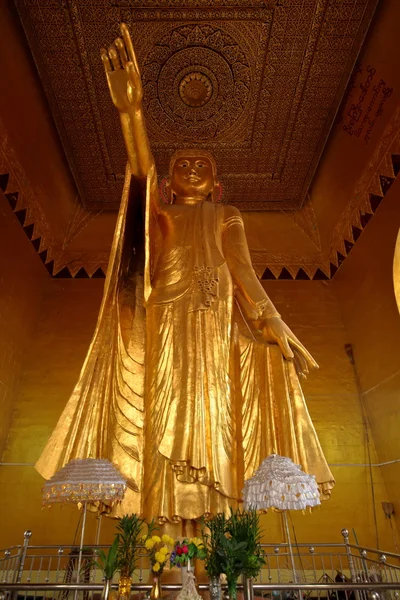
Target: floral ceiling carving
258, 82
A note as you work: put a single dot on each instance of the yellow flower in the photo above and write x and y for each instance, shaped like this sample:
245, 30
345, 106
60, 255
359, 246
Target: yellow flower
156, 539
160, 557
143, 538
156, 567
164, 550
149, 544
165, 539
197, 542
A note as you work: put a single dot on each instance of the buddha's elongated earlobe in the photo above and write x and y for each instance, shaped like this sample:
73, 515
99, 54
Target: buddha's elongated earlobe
217, 192
164, 190
168, 191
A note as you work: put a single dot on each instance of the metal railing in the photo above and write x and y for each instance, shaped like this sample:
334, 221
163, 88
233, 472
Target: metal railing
266, 590
26, 570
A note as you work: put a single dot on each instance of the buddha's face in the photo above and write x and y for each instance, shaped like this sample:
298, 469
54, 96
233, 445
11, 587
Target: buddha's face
192, 177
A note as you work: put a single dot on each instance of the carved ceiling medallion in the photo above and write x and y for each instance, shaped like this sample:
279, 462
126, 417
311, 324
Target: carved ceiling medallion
196, 84
195, 89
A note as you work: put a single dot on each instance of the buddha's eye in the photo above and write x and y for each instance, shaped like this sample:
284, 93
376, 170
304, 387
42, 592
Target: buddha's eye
184, 164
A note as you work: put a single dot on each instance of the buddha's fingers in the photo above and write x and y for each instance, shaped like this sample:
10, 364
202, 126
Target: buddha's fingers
301, 364
113, 54
134, 76
297, 345
129, 46
106, 60
283, 342
298, 367
122, 51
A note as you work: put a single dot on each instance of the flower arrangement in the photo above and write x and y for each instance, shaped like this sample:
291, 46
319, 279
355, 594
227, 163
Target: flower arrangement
216, 528
129, 529
244, 527
186, 549
233, 547
159, 549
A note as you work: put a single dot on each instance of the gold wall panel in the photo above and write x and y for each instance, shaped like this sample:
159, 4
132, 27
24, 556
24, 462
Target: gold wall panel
364, 287
28, 138
22, 279
351, 166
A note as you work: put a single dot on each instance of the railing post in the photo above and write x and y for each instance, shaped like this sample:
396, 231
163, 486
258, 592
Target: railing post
353, 573
345, 534
21, 560
248, 593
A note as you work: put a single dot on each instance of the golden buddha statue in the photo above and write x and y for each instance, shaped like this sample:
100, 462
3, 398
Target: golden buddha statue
192, 377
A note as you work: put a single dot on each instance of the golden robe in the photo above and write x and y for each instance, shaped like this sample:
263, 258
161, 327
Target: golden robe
178, 389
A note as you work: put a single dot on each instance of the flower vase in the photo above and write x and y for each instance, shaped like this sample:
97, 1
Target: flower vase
124, 586
215, 588
248, 593
106, 589
184, 572
156, 590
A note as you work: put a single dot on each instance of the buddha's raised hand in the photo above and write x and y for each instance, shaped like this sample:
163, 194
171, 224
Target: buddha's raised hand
122, 71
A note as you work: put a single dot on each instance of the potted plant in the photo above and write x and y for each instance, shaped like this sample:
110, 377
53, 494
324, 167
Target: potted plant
244, 528
231, 556
108, 564
233, 548
129, 529
214, 564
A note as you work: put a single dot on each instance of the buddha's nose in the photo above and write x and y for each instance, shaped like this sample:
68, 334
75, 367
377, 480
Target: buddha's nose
192, 171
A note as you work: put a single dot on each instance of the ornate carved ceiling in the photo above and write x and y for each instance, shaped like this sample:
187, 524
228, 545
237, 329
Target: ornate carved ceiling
256, 81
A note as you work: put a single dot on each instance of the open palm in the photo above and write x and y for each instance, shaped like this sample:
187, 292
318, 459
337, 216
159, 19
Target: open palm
122, 71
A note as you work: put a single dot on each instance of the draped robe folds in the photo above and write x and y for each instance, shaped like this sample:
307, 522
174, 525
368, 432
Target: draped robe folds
178, 389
